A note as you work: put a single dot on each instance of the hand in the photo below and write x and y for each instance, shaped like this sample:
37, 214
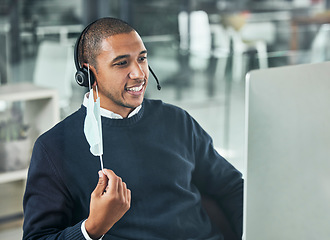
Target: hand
110, 200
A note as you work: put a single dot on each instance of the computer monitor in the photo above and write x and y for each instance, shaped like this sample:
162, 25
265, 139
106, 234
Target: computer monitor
287, 180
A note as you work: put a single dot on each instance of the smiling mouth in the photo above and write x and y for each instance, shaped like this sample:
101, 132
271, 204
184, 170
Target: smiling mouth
135, 89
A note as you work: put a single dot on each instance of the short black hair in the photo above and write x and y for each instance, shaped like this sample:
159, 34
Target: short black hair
93, 35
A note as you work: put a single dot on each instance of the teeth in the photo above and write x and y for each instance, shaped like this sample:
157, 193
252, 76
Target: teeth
135, 89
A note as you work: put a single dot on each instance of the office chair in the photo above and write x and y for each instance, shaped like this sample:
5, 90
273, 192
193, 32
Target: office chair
248, 36
55, 69
218, 218
320, 48
202, 40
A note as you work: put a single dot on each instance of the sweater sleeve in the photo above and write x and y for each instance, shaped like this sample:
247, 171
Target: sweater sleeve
217, 178
47, 203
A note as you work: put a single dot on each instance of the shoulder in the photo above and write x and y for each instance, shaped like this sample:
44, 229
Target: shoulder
169, 114
159, 105
70, 125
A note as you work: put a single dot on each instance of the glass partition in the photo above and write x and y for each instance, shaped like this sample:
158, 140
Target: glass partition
200, 51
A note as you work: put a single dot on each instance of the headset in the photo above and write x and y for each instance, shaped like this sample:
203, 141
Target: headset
82, 72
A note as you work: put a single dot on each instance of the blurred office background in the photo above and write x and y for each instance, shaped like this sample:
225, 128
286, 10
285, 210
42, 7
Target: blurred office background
199, 49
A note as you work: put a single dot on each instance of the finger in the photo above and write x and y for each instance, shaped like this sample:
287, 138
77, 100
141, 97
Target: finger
109, 173
120, 187
102, 184
129, 196
124, 191
112, 181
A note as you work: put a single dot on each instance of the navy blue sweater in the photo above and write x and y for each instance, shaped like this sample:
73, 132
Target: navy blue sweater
163, 155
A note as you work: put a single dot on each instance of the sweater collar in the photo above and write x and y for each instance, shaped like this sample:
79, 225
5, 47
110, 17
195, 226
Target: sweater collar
109, 114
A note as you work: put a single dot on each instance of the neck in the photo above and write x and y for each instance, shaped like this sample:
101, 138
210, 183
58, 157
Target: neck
123, 114
113, 114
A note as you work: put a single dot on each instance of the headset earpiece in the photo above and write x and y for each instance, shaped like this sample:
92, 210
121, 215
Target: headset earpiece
81, 77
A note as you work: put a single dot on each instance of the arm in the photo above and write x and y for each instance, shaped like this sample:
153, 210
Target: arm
48, 204
218, 179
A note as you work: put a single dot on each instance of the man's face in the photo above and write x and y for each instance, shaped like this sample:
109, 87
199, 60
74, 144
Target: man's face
122, 72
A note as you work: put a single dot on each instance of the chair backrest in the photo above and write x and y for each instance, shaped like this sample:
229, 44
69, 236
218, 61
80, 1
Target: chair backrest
195, 37
265, 31
55, 69
195, 32
320, 49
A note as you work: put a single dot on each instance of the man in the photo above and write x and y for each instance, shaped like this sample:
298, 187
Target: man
157, 159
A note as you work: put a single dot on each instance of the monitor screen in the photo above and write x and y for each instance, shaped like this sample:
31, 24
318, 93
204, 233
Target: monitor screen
287, 192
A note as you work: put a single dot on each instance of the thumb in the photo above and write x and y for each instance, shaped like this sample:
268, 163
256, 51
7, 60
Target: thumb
102, 183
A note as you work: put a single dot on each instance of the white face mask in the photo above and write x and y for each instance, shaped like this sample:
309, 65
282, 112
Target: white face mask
93, 125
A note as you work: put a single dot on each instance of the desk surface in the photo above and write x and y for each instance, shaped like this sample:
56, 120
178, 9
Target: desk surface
24, 91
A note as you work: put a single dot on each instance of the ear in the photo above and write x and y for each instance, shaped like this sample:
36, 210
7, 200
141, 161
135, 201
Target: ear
93, 73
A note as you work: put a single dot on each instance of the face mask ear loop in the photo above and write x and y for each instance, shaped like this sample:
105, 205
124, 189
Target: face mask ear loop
97, 96
89, 77
101, 159
97, 91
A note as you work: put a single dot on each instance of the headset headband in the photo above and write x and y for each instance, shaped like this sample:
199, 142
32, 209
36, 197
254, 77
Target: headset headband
81, 75
76, 47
